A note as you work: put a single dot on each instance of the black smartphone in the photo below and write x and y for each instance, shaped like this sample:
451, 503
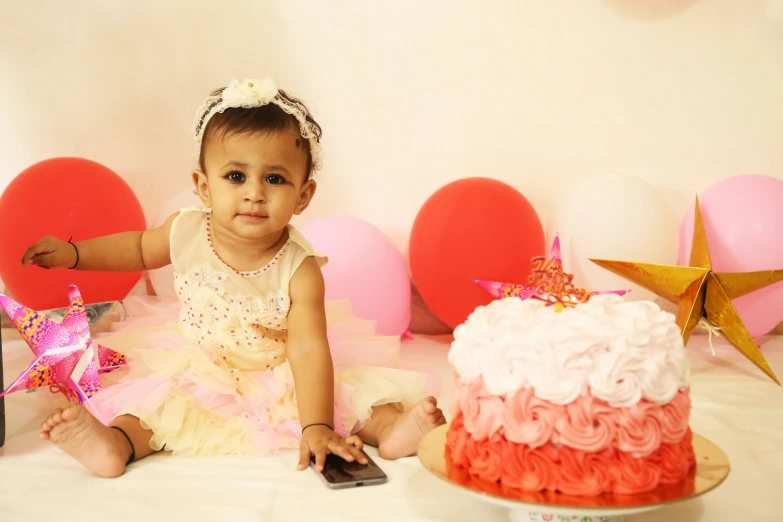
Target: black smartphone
338, 473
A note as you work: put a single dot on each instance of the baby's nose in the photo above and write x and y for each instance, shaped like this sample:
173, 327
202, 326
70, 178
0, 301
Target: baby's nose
255, 191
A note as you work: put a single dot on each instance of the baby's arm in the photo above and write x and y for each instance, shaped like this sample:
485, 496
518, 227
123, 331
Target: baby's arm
311, 364
122, 252
308, 347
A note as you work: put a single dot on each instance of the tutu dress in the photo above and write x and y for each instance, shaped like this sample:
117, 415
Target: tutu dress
210, 376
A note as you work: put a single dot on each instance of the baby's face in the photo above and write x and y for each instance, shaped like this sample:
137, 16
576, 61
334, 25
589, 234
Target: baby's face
255, 183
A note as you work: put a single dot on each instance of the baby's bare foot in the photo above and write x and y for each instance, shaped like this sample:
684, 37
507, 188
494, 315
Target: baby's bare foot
402, 437
101, 449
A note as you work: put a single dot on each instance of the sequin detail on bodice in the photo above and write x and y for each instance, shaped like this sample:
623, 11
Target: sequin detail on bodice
241, 320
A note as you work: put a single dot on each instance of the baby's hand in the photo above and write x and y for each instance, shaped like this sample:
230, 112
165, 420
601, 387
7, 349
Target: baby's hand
320, 440
50, 252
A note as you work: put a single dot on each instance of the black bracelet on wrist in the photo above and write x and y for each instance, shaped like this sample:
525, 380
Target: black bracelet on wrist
77, 255
318, 424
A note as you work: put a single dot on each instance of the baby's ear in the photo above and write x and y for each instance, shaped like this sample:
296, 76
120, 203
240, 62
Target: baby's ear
202, 189
305, 196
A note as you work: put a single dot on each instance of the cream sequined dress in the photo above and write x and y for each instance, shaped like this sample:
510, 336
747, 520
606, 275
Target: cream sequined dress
212, 378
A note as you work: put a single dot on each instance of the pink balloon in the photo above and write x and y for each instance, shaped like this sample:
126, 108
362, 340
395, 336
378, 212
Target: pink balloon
742, 220
366, 268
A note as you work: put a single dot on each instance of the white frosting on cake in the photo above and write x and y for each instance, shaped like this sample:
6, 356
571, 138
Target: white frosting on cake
620, 351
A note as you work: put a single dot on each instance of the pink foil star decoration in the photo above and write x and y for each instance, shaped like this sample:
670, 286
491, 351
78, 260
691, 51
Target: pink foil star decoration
547, 277
65, 355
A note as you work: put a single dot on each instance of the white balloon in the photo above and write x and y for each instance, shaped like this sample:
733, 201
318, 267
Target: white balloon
162, 279
617, 218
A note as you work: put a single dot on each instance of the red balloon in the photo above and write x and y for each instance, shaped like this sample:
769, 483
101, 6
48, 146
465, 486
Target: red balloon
474, 228
64, 198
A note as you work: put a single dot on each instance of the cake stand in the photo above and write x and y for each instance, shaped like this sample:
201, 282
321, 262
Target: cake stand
712, 468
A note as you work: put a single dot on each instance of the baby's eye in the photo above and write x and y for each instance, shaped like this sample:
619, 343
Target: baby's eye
275, 179
235, 176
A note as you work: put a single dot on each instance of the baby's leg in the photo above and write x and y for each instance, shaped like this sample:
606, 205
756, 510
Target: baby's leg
103, 450
397, 434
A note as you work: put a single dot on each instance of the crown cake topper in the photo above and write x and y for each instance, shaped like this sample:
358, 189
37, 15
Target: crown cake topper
547, 282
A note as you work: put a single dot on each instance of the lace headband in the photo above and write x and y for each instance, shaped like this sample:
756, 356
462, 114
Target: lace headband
251, 93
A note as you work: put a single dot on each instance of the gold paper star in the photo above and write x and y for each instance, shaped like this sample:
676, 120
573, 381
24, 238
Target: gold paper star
700, 293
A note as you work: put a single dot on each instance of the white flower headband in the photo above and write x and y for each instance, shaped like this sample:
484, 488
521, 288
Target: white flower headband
248, 94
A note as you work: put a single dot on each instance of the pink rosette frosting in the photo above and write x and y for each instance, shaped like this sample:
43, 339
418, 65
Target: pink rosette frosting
674, 461
633, 476
530, 420
584, 473
530, 469
564, 469
588, 425
675, 417
483, 413
485, 459
457, 438
639, 429
687, 448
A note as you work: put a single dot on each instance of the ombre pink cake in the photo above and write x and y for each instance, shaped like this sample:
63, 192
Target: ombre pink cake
588, 400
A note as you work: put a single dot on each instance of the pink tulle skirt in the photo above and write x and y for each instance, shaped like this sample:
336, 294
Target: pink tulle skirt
197, 405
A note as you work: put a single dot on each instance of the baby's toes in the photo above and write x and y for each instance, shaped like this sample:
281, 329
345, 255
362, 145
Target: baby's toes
430, 405
436, 418
48, 424
54, 418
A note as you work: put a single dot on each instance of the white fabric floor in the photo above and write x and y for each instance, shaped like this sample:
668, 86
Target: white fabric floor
734, 405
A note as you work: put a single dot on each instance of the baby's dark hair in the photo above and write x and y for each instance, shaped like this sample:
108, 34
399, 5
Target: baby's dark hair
263, 119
